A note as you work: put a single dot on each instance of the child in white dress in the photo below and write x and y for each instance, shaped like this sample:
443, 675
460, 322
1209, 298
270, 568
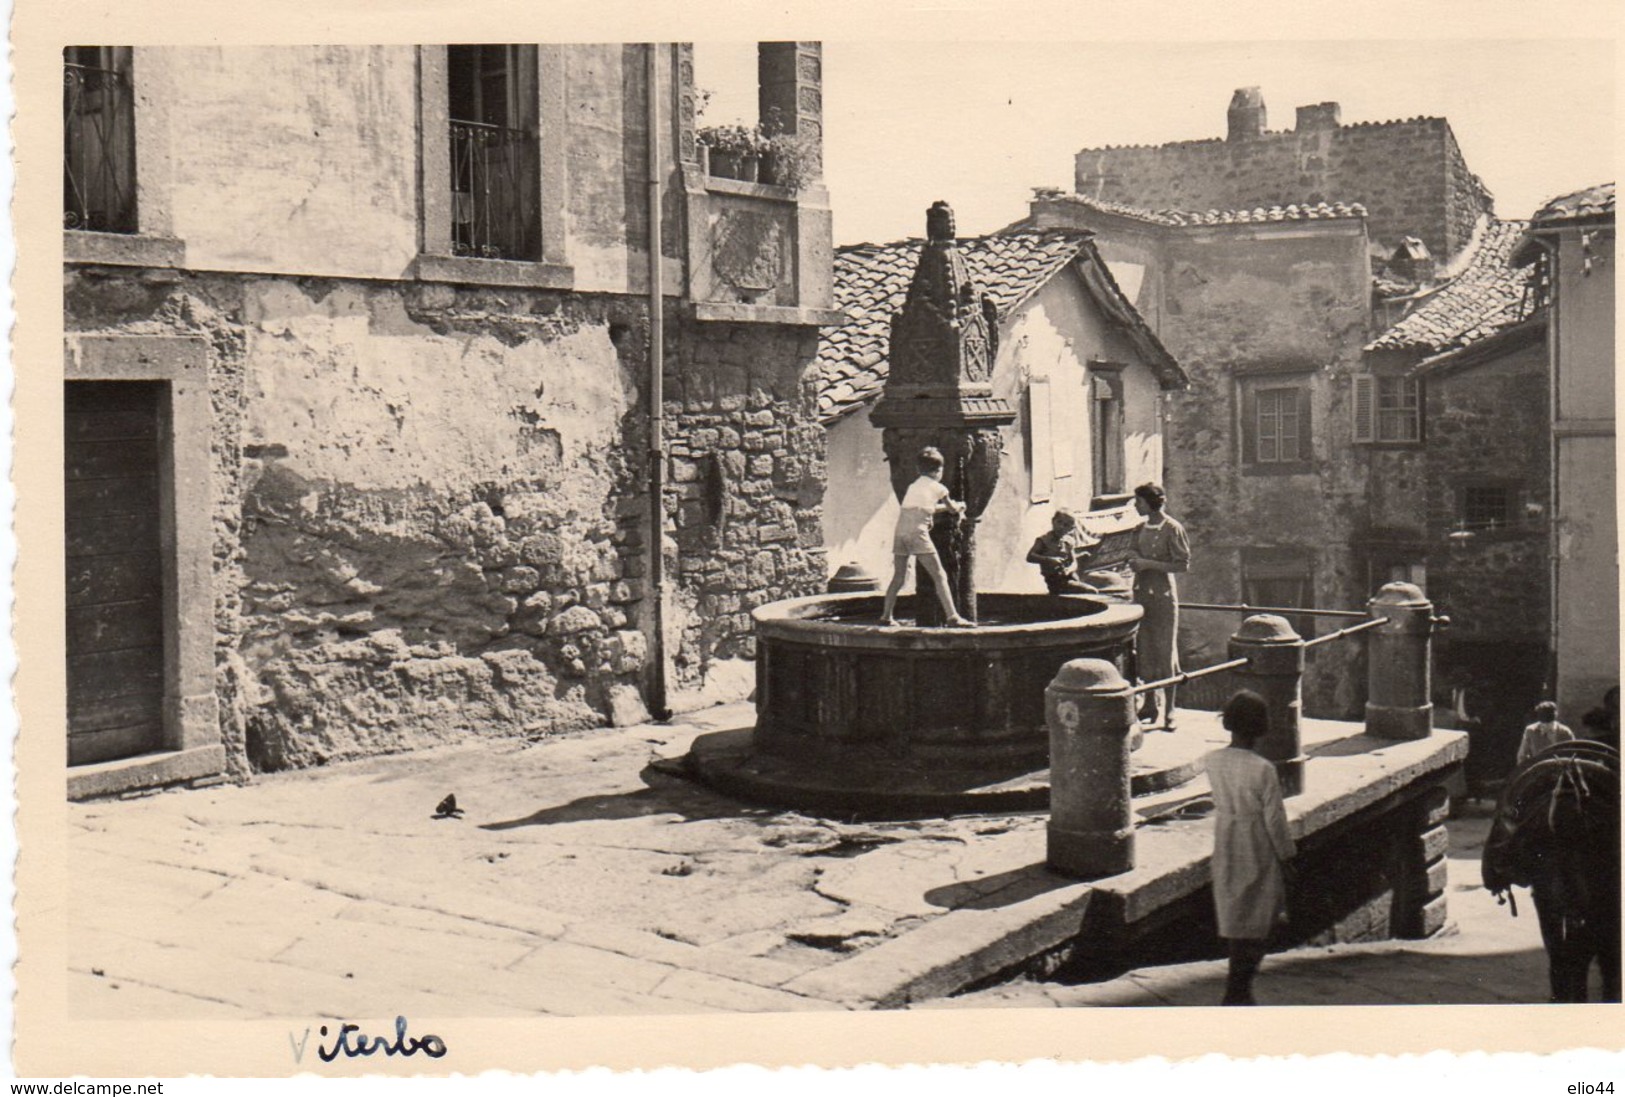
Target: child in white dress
1252, 846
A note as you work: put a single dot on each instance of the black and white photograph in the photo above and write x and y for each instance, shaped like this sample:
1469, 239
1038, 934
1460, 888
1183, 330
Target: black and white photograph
984, 531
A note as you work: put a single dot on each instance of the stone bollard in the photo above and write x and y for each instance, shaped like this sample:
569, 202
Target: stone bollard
1090, 711
1274, 670
1399, 663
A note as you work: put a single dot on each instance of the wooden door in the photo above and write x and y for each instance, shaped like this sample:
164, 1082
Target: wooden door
114, 570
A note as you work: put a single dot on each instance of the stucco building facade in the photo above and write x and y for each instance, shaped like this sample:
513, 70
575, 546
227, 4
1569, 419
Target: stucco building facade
360, 397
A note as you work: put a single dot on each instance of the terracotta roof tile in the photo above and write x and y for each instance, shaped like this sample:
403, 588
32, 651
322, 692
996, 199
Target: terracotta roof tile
1321, 211
1592, 202
1486, 297
871, 281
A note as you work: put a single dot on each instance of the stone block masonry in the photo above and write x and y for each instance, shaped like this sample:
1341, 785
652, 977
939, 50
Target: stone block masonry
1409, 175
429, 502
745, 487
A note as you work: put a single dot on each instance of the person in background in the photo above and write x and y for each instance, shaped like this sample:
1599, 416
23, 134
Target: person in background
1252, 846
925, 499
1544, 732
1161, 550
1057, 553
1602, 722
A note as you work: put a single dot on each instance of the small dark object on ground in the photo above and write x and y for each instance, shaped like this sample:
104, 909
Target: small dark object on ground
448, 809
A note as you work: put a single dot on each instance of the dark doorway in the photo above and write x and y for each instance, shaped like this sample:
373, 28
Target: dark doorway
115, 636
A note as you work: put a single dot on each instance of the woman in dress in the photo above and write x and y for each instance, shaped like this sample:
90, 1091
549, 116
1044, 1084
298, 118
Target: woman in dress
1161, 550
1252, 846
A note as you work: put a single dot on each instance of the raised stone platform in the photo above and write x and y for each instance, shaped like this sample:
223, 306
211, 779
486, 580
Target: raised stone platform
726, 761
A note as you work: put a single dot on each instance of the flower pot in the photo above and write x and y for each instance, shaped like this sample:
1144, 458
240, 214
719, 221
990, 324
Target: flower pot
724, 164
703, 154
750, 166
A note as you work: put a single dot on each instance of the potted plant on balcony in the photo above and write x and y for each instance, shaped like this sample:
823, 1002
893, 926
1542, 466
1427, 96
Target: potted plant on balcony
735, 150
788, 159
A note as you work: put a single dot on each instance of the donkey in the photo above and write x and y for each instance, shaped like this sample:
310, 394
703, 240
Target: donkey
1556, 832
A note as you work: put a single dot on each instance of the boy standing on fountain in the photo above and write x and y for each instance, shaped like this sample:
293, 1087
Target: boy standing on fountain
925, 499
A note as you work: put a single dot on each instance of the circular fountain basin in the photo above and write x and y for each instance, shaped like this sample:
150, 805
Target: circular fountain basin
833, 686
875, 722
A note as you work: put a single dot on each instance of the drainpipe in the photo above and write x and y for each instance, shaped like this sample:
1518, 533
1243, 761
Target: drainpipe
657, 700
1552, 248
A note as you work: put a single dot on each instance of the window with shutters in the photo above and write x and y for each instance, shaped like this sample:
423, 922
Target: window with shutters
1106, 426
1387, 409
1275, 426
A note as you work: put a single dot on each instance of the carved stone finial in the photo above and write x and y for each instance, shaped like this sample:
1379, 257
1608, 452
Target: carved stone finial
939, 223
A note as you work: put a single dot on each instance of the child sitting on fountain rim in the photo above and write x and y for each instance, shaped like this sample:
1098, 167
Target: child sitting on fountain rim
925, 499
1057, 552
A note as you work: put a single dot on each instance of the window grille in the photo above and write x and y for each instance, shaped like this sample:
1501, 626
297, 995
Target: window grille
98, 147
495, 152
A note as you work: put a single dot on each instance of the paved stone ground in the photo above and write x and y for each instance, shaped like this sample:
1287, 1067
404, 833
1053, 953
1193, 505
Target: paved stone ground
584, 881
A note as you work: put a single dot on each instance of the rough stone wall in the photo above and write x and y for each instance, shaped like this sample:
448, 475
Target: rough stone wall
1238, 303
1409, 175
1490, 422
745, 489
98, 301
430, 502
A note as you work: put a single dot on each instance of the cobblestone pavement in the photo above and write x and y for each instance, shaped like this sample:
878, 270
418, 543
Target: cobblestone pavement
584, 880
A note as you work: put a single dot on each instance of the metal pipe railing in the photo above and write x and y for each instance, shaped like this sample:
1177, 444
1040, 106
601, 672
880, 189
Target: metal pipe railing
1279, 611
1350, 631
1164, 683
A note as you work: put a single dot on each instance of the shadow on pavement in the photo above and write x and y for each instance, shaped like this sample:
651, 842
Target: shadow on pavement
1002, 889
663, 794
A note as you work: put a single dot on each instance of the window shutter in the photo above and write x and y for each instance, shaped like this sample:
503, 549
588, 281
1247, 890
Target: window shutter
1306, 434
1365, 408
1249, 425
1041, 455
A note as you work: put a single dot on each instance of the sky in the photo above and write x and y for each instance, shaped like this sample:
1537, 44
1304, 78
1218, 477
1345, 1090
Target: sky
981, 123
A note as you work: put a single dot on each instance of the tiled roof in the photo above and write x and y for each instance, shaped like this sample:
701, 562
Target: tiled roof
1486, 297
1591, 202
1321, 211
871, 282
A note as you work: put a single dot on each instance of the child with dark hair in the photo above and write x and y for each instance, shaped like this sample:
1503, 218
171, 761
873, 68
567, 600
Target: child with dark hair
1057, 554
924, 500
1252, 845
1545, 732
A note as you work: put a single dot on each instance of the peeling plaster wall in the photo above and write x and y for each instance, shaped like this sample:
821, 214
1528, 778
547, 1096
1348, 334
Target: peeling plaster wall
430, 504
239, 116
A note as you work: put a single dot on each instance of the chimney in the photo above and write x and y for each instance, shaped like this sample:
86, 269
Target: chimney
1412, 261
1246, 114
1319, 116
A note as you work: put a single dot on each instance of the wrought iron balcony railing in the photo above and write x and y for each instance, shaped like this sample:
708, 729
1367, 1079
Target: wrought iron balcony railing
495, 193
98, 161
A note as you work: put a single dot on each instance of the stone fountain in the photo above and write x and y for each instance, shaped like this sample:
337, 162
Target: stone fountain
851, 716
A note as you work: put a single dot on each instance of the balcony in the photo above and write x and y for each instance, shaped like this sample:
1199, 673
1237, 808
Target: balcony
98, 162
494, 192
